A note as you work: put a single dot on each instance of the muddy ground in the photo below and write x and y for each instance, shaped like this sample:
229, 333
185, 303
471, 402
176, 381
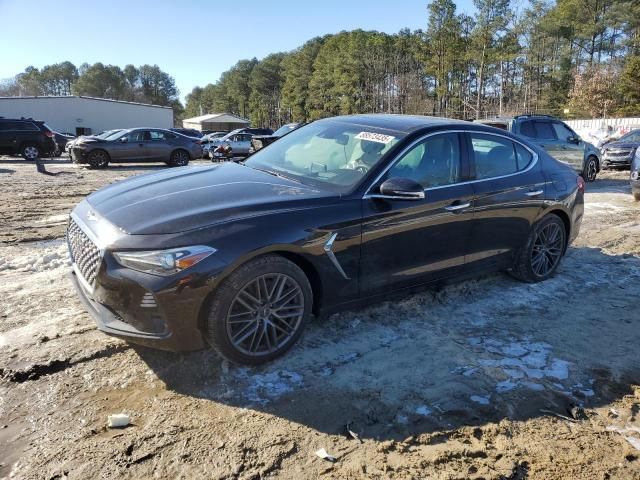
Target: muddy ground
471, 381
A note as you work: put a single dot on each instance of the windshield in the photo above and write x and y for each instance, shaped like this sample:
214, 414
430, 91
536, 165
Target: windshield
107, 134
116, 134
283, 130
632, 136
328, 154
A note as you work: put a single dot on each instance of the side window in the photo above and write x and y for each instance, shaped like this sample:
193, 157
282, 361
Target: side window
137, 136
494, 156
433, 162
157, 136
527, 129
562, 131
544, 131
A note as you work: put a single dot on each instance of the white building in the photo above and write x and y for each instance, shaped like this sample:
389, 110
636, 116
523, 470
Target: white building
86, 115
217, 122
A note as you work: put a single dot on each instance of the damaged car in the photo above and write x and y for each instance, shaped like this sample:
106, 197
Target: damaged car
336, 214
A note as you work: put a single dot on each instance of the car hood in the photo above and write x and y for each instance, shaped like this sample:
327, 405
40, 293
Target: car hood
620, 145
183, 199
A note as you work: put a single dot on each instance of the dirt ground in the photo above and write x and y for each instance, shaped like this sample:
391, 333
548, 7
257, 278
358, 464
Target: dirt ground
474, 380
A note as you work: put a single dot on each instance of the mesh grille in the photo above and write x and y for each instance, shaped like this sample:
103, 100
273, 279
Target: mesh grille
84, 252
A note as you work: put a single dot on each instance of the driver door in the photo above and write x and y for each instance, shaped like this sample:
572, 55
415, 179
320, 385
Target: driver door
410, 242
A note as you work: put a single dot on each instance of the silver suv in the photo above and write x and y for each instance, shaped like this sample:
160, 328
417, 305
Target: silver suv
556, 137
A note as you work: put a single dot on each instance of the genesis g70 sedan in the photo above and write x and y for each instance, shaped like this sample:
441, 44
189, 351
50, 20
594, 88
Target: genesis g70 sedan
336, 214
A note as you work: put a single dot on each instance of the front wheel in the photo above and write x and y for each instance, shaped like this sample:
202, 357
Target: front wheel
590, 169
540, 257
259, 311
98, 159
179, 158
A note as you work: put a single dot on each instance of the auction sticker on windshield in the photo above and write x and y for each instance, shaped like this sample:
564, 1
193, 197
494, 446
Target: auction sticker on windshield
375, 137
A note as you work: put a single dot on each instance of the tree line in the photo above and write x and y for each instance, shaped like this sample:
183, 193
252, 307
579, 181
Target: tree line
571, 58
144, 84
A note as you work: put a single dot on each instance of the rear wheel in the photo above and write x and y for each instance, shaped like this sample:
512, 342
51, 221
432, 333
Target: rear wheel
540, 257
590, 169
179, 158
30, 151
259, 311
98, 159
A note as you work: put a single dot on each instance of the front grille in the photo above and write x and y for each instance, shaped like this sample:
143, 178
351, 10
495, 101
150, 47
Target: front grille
84, 252
618, 153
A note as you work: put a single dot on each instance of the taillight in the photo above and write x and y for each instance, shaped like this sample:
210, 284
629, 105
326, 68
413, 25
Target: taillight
48, 133
580, 182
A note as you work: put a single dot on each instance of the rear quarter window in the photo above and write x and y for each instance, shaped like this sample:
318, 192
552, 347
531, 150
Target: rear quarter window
495, 156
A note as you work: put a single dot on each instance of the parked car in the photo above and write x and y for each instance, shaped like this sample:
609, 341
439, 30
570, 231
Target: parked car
61, 140
209, 140
635, 175
338, 213
556, 137
620, 153
189, 132
254, 131
261, 141
137, 145
240, 144
101, 136
27, 137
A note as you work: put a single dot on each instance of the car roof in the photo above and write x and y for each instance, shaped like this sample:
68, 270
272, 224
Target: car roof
399, 123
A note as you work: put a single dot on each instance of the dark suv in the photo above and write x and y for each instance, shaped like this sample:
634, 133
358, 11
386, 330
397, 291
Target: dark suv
27, 137
556, 138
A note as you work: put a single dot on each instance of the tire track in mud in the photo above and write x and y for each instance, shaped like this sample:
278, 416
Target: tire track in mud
38, 370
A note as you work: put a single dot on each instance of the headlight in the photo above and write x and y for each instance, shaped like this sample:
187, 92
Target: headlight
164, 262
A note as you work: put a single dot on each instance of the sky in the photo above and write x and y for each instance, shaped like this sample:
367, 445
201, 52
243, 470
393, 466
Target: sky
192, 40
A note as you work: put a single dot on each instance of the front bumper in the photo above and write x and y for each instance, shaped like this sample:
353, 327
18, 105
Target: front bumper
613, 160
159, 312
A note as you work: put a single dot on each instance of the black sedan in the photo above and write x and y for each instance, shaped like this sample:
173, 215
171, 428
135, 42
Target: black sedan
338, 213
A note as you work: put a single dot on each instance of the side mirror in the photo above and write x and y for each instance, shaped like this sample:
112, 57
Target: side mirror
573, 139
401, 189
124, 139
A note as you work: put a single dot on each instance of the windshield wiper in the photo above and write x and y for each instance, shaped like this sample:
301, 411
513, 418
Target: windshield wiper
275, 174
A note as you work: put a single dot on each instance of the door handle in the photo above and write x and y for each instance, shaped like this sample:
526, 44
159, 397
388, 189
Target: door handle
454, 207
534, 193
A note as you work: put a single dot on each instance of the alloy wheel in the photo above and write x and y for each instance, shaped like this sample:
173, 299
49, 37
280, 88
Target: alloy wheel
31, 152
265, 314
547, 249
180, 158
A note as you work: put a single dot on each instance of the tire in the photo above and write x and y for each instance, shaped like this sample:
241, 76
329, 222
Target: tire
98, 159
179, 158
590, 170
527, 263
237, 320
30, 151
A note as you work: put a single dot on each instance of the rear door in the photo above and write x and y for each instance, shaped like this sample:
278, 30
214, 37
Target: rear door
409, 242
159, 147
509, 192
